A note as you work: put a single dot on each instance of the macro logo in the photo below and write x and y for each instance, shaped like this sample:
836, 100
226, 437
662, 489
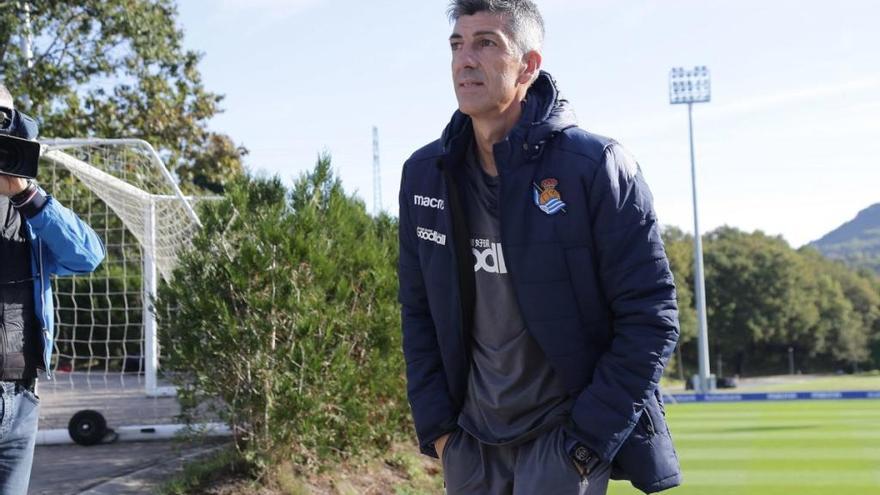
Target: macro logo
428, 202
431, 235
488, 256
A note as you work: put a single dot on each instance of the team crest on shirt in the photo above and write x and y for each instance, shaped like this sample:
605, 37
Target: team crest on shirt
547, 198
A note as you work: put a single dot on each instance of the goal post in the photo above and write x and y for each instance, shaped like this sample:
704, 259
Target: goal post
151, 288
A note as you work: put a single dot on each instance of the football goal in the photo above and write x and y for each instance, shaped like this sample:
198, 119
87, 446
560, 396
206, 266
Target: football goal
107, 357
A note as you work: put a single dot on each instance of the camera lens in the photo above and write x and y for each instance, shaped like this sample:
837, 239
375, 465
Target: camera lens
10, 155
5, 156
19, 157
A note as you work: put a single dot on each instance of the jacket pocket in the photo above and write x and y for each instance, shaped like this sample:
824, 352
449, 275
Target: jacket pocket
445, 454
646, 424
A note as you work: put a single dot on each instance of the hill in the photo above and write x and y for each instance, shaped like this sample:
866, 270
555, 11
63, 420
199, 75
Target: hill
856, 242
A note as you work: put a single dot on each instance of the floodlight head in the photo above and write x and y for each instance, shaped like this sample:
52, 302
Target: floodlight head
689, 85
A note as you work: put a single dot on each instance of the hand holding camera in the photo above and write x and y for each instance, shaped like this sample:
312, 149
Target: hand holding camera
11, 186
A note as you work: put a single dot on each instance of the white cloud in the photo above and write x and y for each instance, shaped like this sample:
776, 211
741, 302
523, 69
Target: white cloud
795, 96
655, 125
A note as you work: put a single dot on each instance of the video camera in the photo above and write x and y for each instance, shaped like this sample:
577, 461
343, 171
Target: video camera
19, 153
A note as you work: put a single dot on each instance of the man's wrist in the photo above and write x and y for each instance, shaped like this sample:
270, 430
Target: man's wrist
24, 195
30, 201
586, 459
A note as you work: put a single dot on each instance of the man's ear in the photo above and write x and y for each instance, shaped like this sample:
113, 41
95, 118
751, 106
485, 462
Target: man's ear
531, 66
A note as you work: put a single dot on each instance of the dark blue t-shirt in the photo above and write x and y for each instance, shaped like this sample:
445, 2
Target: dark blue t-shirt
513, 393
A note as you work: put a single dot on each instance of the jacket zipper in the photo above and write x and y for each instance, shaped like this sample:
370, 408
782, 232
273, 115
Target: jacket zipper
47, 341
2, 336
454, 206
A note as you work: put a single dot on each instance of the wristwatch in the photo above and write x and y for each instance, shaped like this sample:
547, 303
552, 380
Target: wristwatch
584, 459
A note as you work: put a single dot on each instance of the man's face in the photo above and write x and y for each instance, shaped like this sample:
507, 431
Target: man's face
486, 65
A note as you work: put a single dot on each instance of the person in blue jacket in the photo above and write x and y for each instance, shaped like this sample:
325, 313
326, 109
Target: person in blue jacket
39, 238
538, 306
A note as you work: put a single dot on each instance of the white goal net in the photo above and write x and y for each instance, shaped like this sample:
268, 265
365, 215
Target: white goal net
106, 348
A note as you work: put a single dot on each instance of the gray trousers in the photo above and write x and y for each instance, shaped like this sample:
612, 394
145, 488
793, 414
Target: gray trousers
537, 467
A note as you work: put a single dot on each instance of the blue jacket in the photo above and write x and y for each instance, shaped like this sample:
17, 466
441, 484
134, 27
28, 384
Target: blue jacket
592, 281
61, 244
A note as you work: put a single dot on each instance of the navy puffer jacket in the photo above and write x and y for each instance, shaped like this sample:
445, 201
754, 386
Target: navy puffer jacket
592, 281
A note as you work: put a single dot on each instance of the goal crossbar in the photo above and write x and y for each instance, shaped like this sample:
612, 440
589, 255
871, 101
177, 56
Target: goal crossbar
56, 144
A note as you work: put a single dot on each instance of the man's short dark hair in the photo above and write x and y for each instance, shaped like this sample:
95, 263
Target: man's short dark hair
524, 22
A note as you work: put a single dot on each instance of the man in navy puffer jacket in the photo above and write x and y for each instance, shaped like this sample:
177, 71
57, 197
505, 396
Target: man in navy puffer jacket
538, 307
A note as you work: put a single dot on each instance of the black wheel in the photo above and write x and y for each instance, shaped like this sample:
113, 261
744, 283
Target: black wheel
87, 427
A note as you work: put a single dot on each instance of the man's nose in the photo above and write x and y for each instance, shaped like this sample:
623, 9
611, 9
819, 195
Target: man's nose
464, 58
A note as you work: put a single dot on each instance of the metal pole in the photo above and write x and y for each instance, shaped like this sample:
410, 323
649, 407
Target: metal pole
699, 282
377, 174
680, 363
27, 39
27, 47
150, 281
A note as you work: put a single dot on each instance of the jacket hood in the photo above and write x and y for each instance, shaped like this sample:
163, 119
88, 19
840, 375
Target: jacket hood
545, 114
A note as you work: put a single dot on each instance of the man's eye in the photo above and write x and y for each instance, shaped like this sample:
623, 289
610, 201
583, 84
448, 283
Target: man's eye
487, 43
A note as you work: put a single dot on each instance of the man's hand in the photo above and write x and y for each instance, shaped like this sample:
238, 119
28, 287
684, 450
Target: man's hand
10, 186
440, 445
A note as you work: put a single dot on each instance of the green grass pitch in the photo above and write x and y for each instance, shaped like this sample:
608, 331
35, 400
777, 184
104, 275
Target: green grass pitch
775, 448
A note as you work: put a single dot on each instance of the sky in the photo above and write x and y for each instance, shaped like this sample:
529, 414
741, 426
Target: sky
789, 144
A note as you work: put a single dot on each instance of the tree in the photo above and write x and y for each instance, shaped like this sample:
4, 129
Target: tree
754, 293
113, 69
857, 328
286, 312
765, 298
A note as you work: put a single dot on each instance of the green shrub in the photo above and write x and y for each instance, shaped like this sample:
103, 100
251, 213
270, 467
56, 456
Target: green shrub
284, 317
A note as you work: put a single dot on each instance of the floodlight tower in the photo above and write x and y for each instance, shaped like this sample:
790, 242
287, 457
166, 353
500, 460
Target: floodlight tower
694, 86
28, 38
27, 41
377, 174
